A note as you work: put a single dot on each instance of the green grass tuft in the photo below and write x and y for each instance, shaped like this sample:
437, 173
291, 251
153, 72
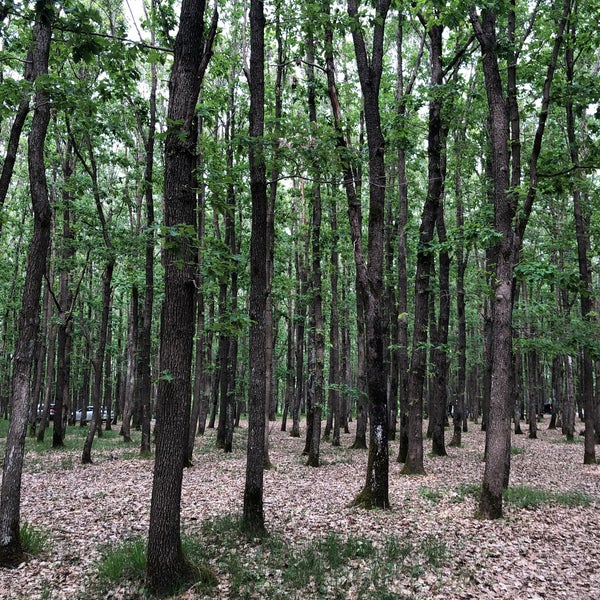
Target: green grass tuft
523, 496
34, 541
126, 561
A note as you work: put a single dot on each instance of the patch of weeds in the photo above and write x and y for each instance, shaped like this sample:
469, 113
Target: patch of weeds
465, 490
433, 550
126, 561
434, 496
34, 541
523, 496
395, 551
516, 450
572, 499
307, 565
66, 463
577, 439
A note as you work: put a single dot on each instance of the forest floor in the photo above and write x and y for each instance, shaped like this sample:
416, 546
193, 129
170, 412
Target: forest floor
428, 545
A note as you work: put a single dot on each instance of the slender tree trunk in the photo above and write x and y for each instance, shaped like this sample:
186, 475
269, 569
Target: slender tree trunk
498, 426
402, 277
166, 563
144, 368
414, 459
317, 322
440, 378
98, 362
461, 265
370, 274
585, 273
253, 514
334, 333
10, 491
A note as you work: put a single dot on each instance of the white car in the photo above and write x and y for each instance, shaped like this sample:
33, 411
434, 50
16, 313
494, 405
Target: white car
87, 416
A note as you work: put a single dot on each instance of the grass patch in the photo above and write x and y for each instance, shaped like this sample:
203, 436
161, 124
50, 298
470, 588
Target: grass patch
326, 567
434, 496
466, 490
34, 541
125, 564
516, 450
523, 496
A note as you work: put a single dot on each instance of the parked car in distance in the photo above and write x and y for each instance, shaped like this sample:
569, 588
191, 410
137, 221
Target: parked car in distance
40, 412
89, 410
87, 416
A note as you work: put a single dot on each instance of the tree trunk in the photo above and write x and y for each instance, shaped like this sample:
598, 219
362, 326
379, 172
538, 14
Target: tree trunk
440, 376
334, 334
435, 186
317, 324
585, 273
499, 419
166, 563
370, 274
10, 492
144, 368
253, 514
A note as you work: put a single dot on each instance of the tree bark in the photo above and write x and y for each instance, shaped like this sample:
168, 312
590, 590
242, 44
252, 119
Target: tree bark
585, 272
253, 514
375, 492
499, 419
10, 491
166, 563
435, 186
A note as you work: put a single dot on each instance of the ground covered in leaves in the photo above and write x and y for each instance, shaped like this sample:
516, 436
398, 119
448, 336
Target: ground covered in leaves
428, 545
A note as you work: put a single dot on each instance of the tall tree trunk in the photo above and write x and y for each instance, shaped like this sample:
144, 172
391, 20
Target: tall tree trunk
440, 358
585, 273
10, 491
334, 333
435, 186
300, 319
370, 274
460, 404
166, 563
499, 418
98, 361
145, 331
351, 182
66, 305
253, 514
317, 325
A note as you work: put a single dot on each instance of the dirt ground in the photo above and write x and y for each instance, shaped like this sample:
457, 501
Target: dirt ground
548, 552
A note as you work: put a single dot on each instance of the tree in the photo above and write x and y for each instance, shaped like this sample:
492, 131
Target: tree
370, 275
254, 519
166, 563
10, 493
